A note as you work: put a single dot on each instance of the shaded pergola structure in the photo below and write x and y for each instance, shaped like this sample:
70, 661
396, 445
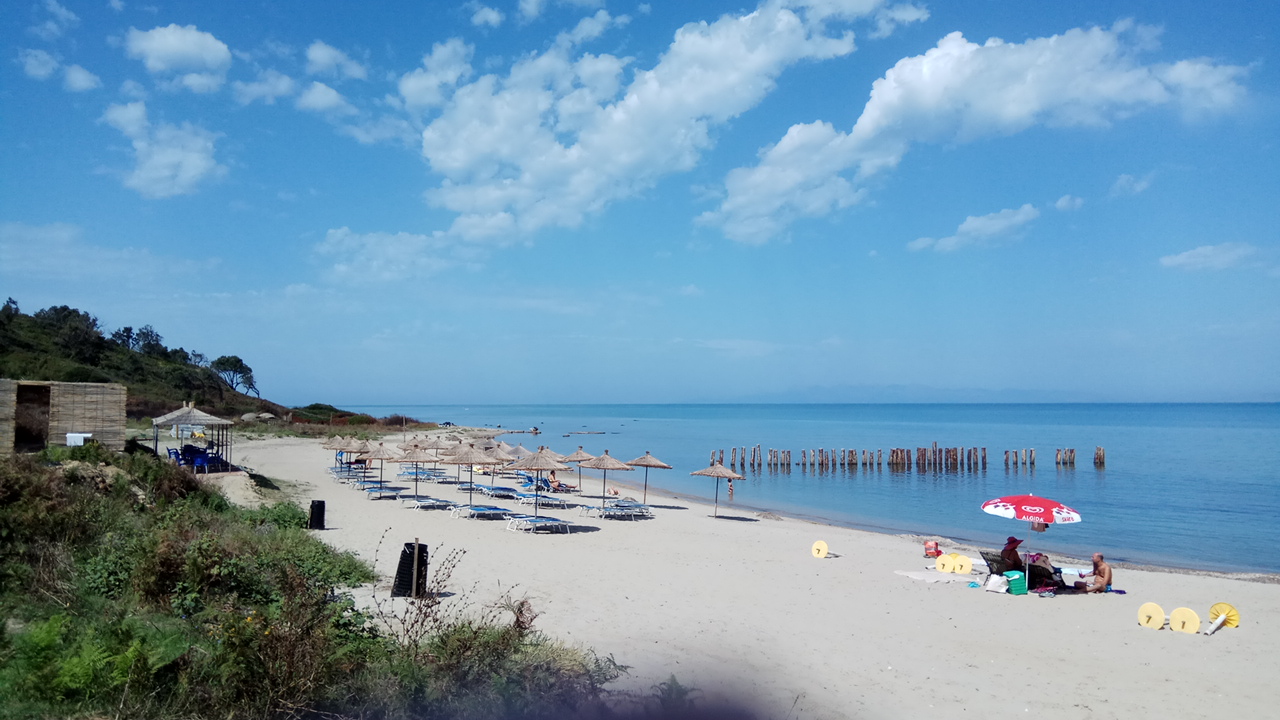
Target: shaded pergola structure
189, 415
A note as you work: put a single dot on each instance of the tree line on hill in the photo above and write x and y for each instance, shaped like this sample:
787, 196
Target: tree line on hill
66, 344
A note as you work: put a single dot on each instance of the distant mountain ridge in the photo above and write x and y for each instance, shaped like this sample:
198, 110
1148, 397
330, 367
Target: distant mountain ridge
65, 344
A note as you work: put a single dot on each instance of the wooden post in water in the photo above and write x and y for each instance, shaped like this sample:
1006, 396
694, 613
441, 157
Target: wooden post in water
984, 458
1099, 457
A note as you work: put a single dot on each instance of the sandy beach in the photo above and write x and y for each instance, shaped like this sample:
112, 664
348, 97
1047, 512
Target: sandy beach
738, 608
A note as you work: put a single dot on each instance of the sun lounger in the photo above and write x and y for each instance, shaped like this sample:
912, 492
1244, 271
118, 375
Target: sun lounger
531, 524
541, 500
377, 492
483, 512
430, 503
498, 491
996, 564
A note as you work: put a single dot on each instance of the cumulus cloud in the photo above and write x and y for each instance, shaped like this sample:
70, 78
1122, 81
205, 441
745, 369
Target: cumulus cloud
960, 91
270, 85
428, 86
324, 99
591, 27
59, 20
37, 64
170, 159
1210, 257
560, 136
1069, 202
117, 5
324, 59
77, 79
485, 16
981, 230
180, 56
1129, 185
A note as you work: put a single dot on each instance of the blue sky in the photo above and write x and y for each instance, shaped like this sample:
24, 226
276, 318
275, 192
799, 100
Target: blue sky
589, 201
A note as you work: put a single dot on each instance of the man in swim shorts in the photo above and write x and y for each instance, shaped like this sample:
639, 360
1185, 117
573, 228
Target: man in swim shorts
1101, 575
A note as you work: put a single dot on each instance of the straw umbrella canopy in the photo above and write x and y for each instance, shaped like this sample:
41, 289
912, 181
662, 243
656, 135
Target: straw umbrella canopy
470, 456
605, 462
497, 453
381, 453
717, 471
506, 447
647, 461
520, 451
436, 443
577, 456
333, 442
410, 444
538, 462
417, 456
555, 455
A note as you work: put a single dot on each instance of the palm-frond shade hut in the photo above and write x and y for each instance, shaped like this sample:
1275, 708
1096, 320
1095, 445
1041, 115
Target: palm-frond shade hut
36, 414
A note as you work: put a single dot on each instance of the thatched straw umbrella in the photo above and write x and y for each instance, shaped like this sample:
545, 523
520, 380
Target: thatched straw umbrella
417, 456
520, 451
538, 462
381, 453
647, 461
470, 456
605, 462
577, 456
717, 471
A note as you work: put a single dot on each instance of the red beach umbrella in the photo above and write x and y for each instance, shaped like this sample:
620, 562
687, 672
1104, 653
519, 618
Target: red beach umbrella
1031, 508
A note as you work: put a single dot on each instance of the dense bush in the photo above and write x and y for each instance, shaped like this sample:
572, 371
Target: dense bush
155, 597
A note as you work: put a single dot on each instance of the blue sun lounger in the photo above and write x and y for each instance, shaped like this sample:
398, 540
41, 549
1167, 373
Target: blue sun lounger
531, 524
498, 491
483, 512
541, 500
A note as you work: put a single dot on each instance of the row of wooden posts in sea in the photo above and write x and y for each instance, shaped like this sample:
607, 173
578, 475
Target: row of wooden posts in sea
945, 459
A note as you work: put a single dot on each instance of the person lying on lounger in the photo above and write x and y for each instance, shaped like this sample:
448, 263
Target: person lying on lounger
1101, 575
557, 486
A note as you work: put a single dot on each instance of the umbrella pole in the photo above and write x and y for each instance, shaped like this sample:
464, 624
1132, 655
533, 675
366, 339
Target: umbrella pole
646, 485
604, 481
717, 510
471, 485
537, 492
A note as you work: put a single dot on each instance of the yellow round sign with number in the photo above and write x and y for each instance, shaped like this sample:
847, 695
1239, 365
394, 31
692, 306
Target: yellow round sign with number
819, 549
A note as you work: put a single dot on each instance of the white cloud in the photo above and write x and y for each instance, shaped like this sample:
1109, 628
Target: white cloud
117, 5
981, 230
181, 56
171, 160
592, 27
1129, 185
559, 137
77, 79
133, 89
59, 21
888, 19
690, 290
37, 64
57, 252
530, 9
1069, 202
448, 63
323, 59
269, 86
322, 98
485, 16
960, 91
384, 256
1210, 257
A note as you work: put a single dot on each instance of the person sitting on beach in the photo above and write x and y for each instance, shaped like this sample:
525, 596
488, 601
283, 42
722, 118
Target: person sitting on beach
1101, 574
1010, 553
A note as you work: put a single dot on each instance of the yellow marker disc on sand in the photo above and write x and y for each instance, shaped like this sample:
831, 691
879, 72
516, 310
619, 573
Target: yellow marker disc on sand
1184, 620
1151, 615
945, 563
963, 565
819, 549
1220, 609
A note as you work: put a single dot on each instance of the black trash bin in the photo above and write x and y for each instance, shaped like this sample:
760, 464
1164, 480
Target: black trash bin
317, 515
403, 586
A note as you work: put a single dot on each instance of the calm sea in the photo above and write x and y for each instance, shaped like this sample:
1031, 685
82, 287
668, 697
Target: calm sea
1193, 486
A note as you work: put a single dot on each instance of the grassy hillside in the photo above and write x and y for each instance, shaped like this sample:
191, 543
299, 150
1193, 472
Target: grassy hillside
66, 344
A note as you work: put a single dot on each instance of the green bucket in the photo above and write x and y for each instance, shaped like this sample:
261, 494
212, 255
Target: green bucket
1017, 582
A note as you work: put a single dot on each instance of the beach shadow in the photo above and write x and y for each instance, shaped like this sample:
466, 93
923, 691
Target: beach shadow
263, 481
668, 507
574, 529
739, 518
